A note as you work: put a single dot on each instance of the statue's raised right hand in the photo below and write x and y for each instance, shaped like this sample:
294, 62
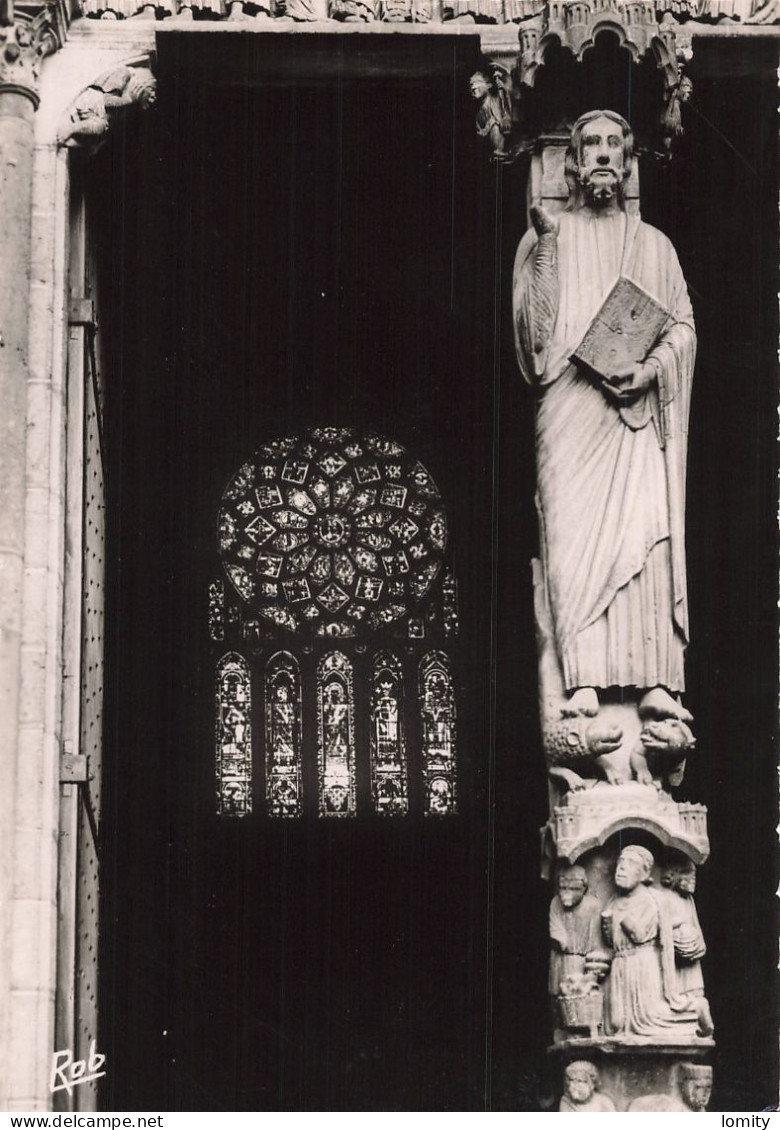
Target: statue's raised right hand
545, 223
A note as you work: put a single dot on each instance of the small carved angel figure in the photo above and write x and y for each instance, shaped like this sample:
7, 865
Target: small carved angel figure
671, 115
494, 116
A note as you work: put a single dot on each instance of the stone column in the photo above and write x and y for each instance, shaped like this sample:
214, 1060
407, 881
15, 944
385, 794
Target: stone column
18, 102
22, 45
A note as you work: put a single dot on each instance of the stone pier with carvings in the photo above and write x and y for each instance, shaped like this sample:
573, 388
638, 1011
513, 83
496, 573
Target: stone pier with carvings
606, 340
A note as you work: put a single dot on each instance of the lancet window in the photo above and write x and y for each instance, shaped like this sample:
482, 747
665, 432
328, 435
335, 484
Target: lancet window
437, 705
388, 740
234, 736
283, 735
336, 735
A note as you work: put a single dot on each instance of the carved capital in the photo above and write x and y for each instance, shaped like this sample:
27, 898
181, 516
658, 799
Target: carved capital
25, 39
94, 111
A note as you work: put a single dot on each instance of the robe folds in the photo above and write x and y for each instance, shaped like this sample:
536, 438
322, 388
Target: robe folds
574, 934
610, 480
641, 994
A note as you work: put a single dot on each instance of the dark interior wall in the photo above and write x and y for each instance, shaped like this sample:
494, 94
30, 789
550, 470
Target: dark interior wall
287, 253
288, 256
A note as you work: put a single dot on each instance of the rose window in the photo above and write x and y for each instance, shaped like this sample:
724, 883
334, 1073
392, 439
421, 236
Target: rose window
332, 531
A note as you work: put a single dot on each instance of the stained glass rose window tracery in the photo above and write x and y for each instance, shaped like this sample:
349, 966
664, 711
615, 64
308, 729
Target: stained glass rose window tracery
331, 531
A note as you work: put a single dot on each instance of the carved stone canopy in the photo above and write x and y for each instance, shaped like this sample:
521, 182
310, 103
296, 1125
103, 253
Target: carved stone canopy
566, 57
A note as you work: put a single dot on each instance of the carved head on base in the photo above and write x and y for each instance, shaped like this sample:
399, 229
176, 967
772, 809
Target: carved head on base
580, 1080
696, 1085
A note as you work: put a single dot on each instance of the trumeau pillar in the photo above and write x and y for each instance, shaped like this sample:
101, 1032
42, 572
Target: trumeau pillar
605, 336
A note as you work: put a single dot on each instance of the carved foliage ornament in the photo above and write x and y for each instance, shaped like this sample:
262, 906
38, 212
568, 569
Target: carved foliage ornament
23, 43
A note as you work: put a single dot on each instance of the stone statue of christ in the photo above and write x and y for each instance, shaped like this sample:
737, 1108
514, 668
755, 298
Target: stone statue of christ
611, 450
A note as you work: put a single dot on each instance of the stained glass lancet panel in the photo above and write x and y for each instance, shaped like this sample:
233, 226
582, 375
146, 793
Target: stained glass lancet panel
388, 742
283, 735
437, 708
217, 610
233, 736
336, 735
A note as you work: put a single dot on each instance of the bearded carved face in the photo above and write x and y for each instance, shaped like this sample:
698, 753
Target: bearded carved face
571, 891
601, 160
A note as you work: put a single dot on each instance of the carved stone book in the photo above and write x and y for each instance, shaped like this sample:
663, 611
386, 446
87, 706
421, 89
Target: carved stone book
623, 331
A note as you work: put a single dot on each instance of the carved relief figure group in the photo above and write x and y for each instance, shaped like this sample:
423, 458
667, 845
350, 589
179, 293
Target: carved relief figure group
644, 945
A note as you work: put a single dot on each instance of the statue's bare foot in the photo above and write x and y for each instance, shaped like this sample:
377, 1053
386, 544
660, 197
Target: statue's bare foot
602, 738
658, 703
668, 735
583, 701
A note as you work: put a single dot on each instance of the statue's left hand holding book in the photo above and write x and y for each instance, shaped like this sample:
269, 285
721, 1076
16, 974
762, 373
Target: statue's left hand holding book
623, 331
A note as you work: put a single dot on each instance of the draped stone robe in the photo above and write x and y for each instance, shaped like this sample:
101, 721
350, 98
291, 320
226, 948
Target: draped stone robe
611, 480
574, 932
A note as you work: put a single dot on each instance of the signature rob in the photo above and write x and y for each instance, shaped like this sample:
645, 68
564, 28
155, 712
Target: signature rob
67, 1072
